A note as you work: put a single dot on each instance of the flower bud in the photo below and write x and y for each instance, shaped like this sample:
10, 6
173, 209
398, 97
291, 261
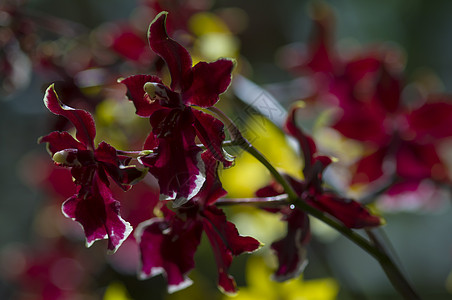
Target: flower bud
67, 157
155, 91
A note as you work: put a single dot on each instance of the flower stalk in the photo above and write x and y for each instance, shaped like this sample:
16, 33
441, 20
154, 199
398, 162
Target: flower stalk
372, 246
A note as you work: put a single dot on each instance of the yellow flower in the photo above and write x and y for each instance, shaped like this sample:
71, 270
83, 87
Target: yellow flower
116, 291
213, 37
248, 175
261, 287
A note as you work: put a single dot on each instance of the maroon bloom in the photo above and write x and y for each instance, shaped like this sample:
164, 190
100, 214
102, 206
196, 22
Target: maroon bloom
291, 250
176, 159
408, 138
93, 206
351, 213
168, 243
401, 142
127, 42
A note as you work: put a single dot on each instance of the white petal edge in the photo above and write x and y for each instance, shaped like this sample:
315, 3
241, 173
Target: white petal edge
128, 230
177, 287
199, 182
137, 234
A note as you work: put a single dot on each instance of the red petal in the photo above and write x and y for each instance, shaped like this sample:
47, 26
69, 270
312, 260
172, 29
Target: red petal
59, 141
370, 168
226, 242
361, 67
431, 121
176, 162
98, 213
135, 91
291, 250
212, 189
176, 57
124, 176
209, 81
420, 161
168, 246
363, 122
388, 90
321, 58
81, 119
307, 144
348, 211
128, 44
211, 133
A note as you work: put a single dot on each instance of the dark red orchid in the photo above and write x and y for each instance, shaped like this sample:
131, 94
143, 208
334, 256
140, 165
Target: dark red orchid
407, 137
349, 212
93, 206
129, 43
345, 79
176, 159
291, 249
168, 243
400, 142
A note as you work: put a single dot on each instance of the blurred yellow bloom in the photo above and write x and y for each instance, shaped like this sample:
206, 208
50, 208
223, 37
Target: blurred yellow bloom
116, 291
261, 287
248, 175
117, 123
214, 39
205, 23
266, 227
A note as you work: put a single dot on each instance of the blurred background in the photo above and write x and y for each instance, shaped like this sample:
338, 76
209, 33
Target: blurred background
80, 45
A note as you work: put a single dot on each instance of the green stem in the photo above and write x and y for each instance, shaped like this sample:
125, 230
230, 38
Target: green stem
260, 201
134, 154
373, 247
394, 274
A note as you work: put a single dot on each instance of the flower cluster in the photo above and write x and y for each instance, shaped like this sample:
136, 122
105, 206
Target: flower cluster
291, 249
186, 174
93, 206
184, 151
400, 136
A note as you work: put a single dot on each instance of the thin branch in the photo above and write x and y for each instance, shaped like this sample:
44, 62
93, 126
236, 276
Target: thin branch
372, 247
261, 201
